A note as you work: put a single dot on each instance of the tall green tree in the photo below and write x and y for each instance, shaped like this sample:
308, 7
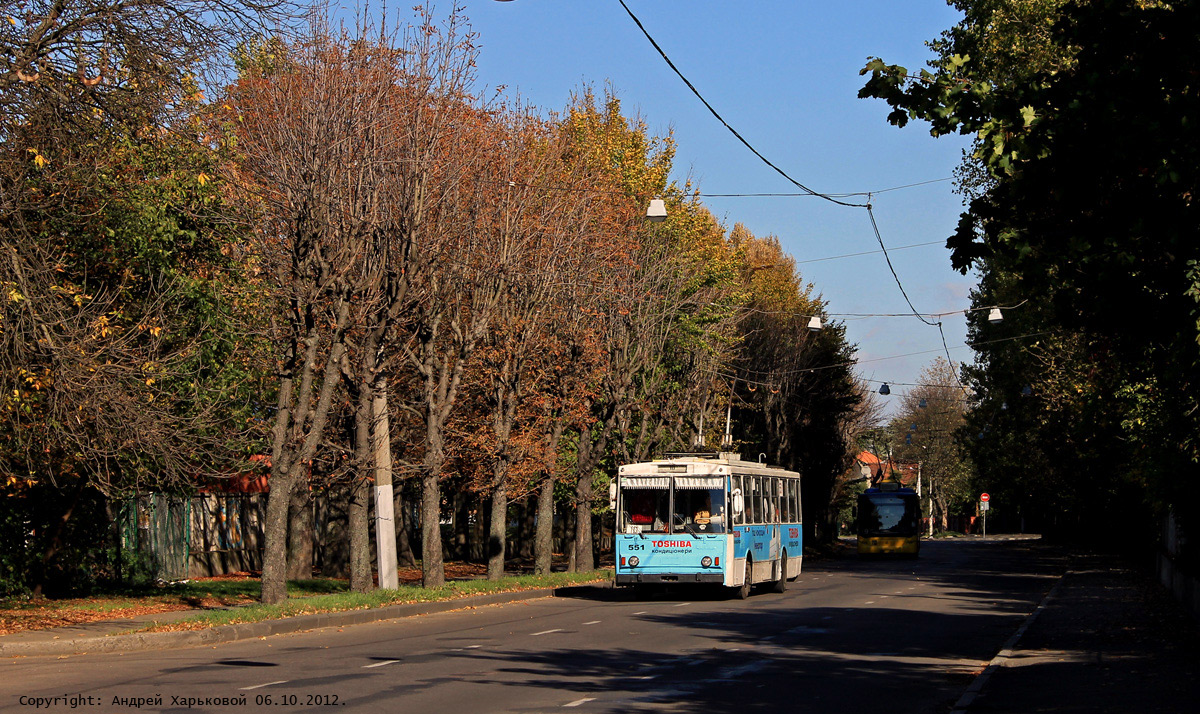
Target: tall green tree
1086, 210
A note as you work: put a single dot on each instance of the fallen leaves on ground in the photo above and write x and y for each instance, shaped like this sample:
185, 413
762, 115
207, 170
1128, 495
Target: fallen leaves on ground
46, 614
454, 571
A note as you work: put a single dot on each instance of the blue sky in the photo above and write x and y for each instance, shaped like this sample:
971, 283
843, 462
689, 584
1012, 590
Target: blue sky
785, 75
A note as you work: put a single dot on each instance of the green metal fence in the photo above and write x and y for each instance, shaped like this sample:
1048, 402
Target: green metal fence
158, 528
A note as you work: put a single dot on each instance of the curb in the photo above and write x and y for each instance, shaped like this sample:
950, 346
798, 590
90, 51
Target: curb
250, 630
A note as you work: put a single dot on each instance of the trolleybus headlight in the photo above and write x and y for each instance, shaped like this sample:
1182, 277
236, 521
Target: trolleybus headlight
633, 561
706, 561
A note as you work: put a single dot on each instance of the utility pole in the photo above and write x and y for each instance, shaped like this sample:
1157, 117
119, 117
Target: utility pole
385, 521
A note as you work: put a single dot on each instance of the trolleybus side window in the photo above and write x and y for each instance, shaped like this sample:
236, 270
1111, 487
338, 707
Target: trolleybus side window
767, 505
786, 498
780, 502
735, 487
794, 503
754, 501
769, 500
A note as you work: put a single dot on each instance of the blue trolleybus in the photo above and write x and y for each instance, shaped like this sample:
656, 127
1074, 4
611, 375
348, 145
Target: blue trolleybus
707, 518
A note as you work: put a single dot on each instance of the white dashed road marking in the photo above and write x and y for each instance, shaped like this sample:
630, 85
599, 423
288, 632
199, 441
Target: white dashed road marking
260, 686
577, 702
544, 632
380, 664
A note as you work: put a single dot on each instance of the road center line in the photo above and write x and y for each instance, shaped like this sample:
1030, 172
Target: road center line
260, 686
380, 664
593, 622
577, 702
683, 604
544, 632
643, 612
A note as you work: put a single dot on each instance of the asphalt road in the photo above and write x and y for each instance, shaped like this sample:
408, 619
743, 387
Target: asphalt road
849, 635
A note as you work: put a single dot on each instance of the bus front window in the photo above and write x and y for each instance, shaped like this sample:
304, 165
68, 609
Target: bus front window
888, 515
644, 510
699, 510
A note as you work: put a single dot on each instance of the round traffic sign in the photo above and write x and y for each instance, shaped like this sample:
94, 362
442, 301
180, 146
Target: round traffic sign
984, 497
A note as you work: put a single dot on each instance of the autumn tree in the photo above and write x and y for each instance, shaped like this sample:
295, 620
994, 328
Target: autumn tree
121, 366
540, 213
312, 129
796, 392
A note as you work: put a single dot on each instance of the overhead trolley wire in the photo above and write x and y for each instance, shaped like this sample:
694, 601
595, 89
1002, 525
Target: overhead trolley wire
721, 119
768, 374
781, 172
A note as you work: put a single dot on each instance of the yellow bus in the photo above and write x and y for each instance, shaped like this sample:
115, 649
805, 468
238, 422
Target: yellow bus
889, 521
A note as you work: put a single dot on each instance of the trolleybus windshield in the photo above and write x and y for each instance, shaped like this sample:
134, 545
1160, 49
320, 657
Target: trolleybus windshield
887, 515
699, 505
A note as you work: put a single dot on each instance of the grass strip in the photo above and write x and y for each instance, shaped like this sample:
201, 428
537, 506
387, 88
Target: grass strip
340, 602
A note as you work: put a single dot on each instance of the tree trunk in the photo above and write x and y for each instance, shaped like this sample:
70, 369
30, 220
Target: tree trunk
523, 543
543, 544
433, 573
275, 529
361, 578
498, 532
460, 541
569, 536
479, 531
584, 558
288, 463
404, 551
300, 534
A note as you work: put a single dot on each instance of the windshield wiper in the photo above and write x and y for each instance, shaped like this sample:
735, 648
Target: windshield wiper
683, 522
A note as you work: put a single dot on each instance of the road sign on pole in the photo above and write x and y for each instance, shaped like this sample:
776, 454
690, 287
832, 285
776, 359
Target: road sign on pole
984, 497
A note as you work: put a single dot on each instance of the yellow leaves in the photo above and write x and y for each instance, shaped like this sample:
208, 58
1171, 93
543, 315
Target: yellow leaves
15, 295
149, 381
38, 160
202, 178
102, 327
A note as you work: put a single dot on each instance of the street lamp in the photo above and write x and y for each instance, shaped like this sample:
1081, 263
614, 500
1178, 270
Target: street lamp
657, 212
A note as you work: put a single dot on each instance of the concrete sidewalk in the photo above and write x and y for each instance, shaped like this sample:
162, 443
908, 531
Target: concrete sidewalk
103, 636
1107, 639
